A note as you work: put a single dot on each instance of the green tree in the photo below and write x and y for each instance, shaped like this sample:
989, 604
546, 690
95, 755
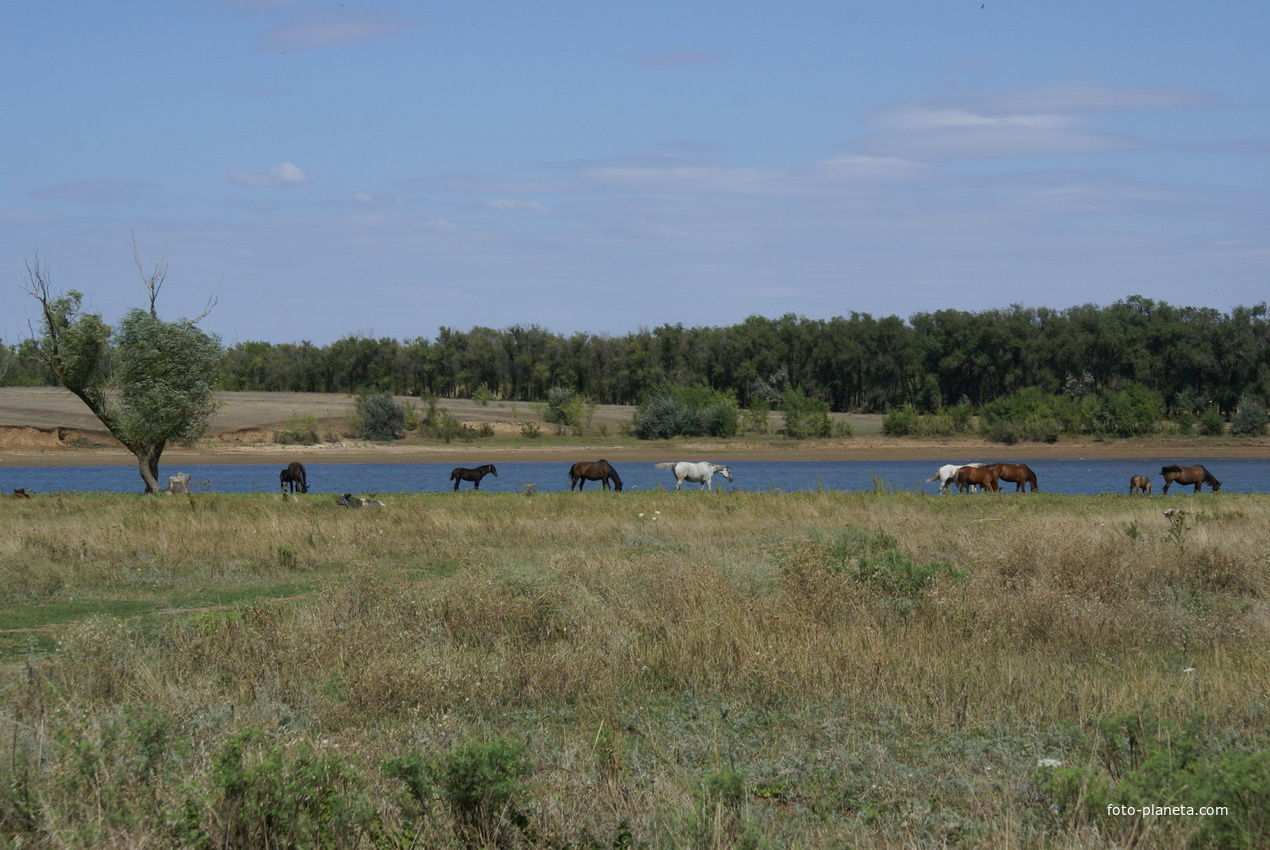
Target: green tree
149, 382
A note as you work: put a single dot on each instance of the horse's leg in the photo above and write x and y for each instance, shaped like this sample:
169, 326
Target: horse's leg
456, 484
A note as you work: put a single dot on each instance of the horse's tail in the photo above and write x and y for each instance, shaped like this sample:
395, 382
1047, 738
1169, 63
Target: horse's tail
928, 480
667, 465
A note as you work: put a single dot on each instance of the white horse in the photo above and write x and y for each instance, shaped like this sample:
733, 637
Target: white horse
698, 473
946, 473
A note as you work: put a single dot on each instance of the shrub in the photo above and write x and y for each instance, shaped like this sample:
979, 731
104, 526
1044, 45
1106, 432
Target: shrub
900, 422
479, 781
674, 411
298, 429
1211, 423
1134, 759
805, 416
1250, 419
381, 417
274, 797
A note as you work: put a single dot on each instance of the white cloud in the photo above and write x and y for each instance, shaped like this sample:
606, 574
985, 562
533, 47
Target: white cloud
331, 29
1044, 122
521, 205
679, 58
282, 175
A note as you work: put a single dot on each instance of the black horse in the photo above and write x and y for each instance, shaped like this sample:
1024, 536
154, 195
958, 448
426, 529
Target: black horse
474, 475
593, 470
293, 476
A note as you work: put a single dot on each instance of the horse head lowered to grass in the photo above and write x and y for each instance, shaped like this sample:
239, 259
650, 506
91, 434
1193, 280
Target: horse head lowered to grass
593, 470
1197, 475
697, 473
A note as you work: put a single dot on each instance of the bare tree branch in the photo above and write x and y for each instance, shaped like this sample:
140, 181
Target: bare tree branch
153, 282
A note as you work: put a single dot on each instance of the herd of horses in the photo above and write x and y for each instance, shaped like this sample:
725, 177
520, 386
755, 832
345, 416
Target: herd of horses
294, 479
973, 477
977, 477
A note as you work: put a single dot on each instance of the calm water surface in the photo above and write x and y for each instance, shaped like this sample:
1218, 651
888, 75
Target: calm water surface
1055, 476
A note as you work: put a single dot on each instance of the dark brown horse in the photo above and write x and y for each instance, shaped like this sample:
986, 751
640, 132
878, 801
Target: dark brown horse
474, 475
294, 477
1140, 484
1019, 473
593, 470
1197, 475
967, 476
21, 493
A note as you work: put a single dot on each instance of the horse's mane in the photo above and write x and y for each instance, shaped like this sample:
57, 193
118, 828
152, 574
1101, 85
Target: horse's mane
1168, 469
1209, 478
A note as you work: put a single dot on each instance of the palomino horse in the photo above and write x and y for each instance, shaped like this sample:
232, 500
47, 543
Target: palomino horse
294, 477
1019, 473
946, 473
1197, 475
593, 470
983, 476
1140, 484
697, 473
473, 475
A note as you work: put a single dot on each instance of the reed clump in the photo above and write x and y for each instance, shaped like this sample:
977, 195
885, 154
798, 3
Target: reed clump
641, 669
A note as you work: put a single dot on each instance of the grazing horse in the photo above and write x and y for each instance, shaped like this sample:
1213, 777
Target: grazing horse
946, 473
294, 477
1019, 473
983, 476
697, 473
1197, 475
593, 470
1140, 484
474, 475
20, 493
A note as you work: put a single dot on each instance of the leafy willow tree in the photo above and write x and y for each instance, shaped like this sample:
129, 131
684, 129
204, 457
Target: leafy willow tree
149, 382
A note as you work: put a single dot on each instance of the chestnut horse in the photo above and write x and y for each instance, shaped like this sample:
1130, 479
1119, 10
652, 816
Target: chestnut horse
968, 476
593, 470
1019, 473
1197, 475
473, 475
294, 477
1140, 484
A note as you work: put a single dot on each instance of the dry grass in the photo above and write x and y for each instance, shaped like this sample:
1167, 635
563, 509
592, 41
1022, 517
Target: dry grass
645, 648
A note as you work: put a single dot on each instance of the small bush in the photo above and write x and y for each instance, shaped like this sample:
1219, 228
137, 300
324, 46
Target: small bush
382, 418
479, 781
1250, 419
1136, 759
1211, 422
299, 429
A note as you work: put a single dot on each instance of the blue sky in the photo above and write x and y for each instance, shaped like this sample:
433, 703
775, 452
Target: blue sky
326, 169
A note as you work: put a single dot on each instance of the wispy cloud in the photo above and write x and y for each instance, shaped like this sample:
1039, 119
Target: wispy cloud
679, 58
331, 29
282, 175
92, 192
519, 205
1046, 122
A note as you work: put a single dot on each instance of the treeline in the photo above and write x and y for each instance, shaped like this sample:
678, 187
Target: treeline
1193, 357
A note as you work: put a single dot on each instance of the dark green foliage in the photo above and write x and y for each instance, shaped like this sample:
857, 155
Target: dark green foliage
805, 416
1250, 419
273, 797
673, 411
381, 416
1211, 422
874, 559
479, 781
1135, 759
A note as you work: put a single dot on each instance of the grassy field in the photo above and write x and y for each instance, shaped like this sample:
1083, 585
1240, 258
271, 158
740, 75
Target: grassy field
633, 670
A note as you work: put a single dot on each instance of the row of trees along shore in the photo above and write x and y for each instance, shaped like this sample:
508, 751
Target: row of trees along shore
1193, 358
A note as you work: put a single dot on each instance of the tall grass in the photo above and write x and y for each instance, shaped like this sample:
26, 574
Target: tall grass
680, 670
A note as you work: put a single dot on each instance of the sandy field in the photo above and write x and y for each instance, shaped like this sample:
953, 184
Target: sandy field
46, 426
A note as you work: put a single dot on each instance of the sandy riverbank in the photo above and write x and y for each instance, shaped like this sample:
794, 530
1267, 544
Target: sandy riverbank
42, 426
